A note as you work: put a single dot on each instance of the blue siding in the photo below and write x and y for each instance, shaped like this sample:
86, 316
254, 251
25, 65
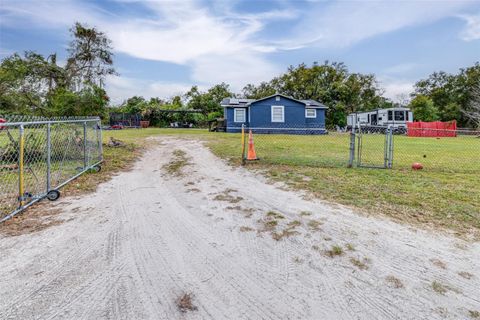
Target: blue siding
233, 126
294, 118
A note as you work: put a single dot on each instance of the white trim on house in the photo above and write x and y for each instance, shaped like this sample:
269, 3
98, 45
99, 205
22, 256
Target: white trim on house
282, 108
314, 115
236, 115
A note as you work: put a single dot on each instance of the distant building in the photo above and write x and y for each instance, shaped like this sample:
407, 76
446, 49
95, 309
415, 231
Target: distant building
275, 114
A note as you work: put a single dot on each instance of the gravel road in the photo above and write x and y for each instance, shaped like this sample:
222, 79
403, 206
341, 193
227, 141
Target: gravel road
184, 222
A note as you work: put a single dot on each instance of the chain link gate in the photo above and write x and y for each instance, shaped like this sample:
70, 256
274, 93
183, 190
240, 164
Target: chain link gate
38, 156
374, 147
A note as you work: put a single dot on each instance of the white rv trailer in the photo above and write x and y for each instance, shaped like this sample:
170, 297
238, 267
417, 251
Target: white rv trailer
395, 118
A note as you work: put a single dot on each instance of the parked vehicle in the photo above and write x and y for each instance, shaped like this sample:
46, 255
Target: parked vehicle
395, 118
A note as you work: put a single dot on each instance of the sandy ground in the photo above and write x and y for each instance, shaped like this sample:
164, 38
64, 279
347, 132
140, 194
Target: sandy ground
145, 238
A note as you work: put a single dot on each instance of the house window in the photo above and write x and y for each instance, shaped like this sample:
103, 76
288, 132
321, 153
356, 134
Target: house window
390, 115
310, 113
277, 98
399, 115
239, 115
278, 114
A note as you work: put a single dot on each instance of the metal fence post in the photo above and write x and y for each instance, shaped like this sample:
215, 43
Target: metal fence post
84, 145
100, 140
390, 149
49, 157
352, 148
21, 151
243, 143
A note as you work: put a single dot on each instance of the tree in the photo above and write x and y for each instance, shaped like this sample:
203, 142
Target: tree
473, 111
33, 84
452, 94
208, 102
90, 56
26, 82
423, 108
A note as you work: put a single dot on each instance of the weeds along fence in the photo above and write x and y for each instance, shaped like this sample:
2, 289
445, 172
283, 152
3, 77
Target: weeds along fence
455, 151
38, 156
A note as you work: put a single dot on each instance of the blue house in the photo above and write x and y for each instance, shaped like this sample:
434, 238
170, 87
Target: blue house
275, 114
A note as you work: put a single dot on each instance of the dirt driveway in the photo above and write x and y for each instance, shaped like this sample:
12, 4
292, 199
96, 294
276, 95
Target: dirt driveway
183, 222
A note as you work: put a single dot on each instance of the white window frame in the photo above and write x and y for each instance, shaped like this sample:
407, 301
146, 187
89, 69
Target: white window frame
283, 113
310, 109
235, 114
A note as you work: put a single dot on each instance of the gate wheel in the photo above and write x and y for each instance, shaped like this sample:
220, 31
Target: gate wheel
53, 195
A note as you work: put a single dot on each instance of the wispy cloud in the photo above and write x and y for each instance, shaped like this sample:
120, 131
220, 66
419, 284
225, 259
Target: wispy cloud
219, 43
396, 89
345, 23
472, 29
121, 88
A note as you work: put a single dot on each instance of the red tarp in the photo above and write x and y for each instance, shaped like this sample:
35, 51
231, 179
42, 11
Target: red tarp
432, 129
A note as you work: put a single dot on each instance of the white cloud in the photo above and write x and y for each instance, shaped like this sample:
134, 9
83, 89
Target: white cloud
220, 44
218, 47
396, 89
472, 29
345, 23
122, 88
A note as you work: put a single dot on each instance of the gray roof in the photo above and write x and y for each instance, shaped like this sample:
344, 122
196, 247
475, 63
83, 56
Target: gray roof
235, 101
232, 102
313, 103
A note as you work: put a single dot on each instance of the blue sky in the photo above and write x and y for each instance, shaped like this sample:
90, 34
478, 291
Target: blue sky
164, 47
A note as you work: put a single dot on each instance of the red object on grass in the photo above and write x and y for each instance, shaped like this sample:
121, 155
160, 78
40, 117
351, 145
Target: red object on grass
432, 129
417, 166
117, 127
2, 121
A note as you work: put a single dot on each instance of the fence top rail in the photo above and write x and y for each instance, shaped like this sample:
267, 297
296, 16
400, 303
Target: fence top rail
20, 123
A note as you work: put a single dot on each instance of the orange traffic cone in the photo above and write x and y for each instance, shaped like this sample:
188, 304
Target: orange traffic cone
251, 155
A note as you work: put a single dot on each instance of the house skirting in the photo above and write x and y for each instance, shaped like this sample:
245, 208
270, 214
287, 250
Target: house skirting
300, 131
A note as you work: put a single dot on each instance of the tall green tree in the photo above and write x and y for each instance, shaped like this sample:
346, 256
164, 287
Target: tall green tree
208, 102
33, 84
452, 94
90, 56
27, 82
424, 109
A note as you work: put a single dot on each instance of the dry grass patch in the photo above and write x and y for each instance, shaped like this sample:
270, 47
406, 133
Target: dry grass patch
439, 263
284, 234
176, 165
360, 264
394, 282
185, 304
38, 217
474, 314
314, 225
246, 229
297, 260
335, 251
350, 247
305, 213
439, 288
294, 224
275, 215
270, 225
227, 197
443, 288
466, 275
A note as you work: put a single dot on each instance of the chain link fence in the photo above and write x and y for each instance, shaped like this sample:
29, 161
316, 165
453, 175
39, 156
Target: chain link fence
38, 156
368, 146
